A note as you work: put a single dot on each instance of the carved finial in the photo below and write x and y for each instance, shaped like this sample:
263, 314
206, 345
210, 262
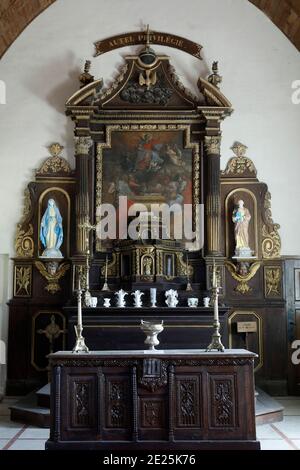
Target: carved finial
55, 149
240, 164
87, 66
239, 149
55, 163
215, 79
85, 78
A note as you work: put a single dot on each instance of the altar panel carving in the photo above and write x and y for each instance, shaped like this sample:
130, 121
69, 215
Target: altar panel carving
117, 393
188, 399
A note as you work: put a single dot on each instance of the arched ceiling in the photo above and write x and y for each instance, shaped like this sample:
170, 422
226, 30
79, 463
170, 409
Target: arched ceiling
15, 15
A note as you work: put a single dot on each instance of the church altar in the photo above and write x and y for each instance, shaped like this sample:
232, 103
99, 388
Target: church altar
185, 399
147, 138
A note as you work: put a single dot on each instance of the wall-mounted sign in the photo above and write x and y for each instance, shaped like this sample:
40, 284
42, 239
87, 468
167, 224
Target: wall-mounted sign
148, 37
246, 327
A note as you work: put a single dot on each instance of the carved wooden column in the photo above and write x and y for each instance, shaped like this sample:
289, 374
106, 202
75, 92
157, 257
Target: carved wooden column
82, 146
213, 209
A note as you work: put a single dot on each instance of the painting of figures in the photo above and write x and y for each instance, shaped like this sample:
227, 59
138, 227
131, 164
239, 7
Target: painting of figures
149, 167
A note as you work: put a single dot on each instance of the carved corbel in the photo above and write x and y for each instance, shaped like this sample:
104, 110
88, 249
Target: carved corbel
242, 272
52, 272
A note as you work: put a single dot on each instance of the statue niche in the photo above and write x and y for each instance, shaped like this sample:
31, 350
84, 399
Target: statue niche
51, 231
241, 217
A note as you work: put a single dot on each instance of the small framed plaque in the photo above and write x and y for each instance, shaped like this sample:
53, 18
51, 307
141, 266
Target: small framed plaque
246, 327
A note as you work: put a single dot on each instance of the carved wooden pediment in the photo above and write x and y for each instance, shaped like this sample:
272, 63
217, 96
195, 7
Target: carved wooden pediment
146, 81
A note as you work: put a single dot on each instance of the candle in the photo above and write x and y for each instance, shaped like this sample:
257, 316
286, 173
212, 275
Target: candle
216, 307
214, 284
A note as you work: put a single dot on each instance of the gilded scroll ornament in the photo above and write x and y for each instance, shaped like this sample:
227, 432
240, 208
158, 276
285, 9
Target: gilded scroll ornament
239, 164
212, 144
27, 205
52, 272
272, 281
271, 242
22, 281
55, 163
24, 244
82, 145
243, 273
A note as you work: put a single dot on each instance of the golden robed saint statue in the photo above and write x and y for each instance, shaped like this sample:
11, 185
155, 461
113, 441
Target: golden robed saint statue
241, 218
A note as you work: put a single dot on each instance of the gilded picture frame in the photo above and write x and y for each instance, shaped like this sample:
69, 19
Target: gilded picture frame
154, 130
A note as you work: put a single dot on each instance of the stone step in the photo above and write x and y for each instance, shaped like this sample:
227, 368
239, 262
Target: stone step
27, 411
267, 409
43, 396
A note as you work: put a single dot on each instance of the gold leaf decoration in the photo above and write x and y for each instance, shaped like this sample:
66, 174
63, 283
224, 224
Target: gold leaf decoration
239, 164
24, 244
271, 242
272, 281
52, 272
236, 273
22, 281
55, 163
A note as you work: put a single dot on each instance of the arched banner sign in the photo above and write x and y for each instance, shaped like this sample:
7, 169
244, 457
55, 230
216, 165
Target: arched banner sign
152, 37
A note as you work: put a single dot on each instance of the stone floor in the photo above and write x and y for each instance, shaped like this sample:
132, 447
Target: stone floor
284, 435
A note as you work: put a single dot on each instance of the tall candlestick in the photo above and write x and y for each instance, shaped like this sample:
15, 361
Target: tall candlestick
105, 285
216, 337
80, 345
79, 305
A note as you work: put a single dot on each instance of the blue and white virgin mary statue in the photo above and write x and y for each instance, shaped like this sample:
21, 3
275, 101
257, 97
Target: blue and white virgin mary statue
51, 231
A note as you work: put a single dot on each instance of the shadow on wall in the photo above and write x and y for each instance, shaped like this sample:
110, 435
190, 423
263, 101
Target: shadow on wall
53, 83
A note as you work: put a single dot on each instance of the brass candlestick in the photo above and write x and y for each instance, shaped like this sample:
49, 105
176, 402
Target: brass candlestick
80, 345
105, 285
87, 228
216, 343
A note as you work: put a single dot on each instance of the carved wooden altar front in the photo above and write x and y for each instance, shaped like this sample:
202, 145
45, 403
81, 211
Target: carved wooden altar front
130, 400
